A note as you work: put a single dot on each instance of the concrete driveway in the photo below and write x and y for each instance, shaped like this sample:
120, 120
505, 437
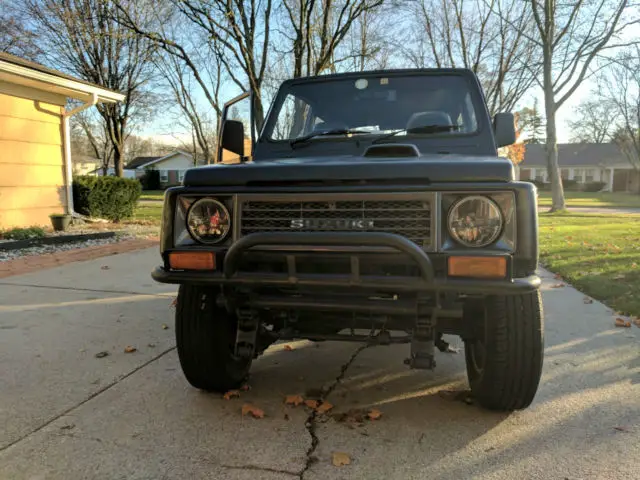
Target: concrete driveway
66, 414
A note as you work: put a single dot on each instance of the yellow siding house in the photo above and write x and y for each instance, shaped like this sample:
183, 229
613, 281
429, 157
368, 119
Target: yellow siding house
35, 153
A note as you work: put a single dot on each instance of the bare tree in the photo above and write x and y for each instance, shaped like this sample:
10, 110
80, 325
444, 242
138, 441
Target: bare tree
181, 84
367, 45
531, 123
15, 37
83, 38
317, 28
570, 36
492, 38
242, 30
238, 33
594, 120
97, 136
620, 88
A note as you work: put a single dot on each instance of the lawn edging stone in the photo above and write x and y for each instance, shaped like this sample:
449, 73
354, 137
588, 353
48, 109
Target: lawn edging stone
54, 240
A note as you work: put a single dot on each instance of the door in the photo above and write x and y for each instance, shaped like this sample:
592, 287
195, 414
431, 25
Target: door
620, 178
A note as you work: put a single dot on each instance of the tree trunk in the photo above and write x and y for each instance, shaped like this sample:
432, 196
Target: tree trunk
258, 111
557, 190
117, 163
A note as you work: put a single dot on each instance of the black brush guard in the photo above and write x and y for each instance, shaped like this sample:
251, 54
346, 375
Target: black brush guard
335, 242
423, 311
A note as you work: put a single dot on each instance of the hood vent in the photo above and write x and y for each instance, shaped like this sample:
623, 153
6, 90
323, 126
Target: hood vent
392, 150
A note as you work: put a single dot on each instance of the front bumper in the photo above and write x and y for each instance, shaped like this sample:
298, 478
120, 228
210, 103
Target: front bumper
326, 243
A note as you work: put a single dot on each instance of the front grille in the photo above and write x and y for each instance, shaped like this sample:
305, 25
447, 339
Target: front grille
409, 218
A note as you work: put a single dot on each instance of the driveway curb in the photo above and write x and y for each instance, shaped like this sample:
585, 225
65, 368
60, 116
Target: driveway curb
33, 263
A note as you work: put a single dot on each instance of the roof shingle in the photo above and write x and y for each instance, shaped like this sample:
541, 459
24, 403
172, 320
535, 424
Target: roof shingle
576, 154
138, 161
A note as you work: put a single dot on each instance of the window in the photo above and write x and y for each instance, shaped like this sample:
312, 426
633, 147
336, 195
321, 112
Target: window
164, 176
577, 174
564, 173
181, 175
589, 175
386, 103
294, 120
539, 174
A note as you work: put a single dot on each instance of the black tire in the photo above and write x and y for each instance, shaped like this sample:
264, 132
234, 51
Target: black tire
504, 360
205, 338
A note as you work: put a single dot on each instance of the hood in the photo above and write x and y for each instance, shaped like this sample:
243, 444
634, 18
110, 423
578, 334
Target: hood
431, 168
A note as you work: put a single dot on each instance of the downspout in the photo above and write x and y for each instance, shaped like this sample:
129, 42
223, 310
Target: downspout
66, 131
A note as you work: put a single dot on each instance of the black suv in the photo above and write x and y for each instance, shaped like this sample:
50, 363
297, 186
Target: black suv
368, 207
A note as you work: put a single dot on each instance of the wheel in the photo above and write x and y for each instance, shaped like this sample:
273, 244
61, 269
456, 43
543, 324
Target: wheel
504, 358
205, 338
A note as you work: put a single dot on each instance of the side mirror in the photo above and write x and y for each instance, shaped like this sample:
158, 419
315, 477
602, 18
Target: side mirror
504, 129
233, 137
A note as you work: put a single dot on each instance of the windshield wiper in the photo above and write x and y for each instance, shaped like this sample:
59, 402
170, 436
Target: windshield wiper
424, 129
335, 131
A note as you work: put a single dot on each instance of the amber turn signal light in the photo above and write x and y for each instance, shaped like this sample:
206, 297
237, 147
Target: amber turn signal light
479, 267
192, 261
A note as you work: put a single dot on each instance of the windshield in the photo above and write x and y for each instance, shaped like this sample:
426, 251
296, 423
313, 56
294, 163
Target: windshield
375, 104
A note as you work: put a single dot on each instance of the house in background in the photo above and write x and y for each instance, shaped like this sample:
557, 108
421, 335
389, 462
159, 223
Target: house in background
85, 164
35, 149
172, 167
583, 162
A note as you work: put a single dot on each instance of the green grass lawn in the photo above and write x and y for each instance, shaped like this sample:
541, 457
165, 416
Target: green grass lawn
598, 254
588, 199
152, 195
148, 213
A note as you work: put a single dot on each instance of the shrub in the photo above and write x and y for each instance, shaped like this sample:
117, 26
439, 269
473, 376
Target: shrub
571, 185
594, 186
22, 233
113, 198
150, 180
541, 185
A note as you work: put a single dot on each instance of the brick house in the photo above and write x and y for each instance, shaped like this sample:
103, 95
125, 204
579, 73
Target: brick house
584, 162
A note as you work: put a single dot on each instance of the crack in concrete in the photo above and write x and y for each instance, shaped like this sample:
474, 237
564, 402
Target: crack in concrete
310, 423
258, 468
89, 398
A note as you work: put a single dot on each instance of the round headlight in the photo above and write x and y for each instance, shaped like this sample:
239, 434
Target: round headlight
208, 221
475, 221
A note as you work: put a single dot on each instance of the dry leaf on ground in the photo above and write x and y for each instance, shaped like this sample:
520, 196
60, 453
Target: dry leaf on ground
324, 407
557, 276
374, 414
165, 326
255, 412
557, 285
101, 354
311, 403
174, 302
340, 458
231, 394
622, 323
622, 429
288, 348
129, 349
104, 267
587, 300
636, 321
294, 400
